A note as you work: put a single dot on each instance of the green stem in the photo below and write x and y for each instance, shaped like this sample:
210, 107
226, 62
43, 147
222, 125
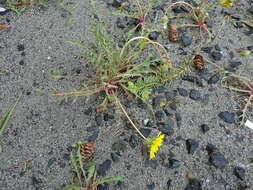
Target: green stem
129, 119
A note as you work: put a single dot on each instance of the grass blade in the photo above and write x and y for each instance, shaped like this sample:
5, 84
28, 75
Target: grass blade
6, 117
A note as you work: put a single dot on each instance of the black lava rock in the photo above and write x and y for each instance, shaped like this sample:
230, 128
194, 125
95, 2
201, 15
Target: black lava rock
216, 55
93, 137
233, 66
88, 111
108, 117
204, 128
193, 79
217, 47
116, 4
167, 127
21, 62
227, 117
169, 184
178, 117
105, 186
194, 184
159, 115
210, 148
115, 156
195, 94
218, 160
173, 106
207, 49
153, 35
119, 146
213, 79
37, 183
173, 163
239, 172
104, 167
186, 40
170, 95
191, 145
51, 161
146, 132
182, 92
151, 186
21, 47
120, 23
157, 101
133, 141
99, 119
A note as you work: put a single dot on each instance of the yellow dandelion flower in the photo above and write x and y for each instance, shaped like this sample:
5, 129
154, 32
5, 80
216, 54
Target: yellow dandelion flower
226, 3
154, 145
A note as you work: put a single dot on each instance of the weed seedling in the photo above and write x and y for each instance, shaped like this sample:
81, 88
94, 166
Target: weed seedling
198, 14
85, 172
242, 85
138, 11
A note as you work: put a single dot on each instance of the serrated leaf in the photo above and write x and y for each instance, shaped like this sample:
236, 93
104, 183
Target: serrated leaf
145, 93
132, 87
91, 171
109, 180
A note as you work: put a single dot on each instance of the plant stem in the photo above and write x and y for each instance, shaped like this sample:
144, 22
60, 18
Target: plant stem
129, 119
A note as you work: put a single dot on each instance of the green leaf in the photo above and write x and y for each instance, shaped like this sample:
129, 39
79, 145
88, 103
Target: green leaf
71, 187
145, 93
244, 52
109, 180
132, 87
91, 171
6, 117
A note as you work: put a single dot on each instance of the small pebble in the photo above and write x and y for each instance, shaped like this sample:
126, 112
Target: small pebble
153, 35
186, 39
159, 115
191, 145
194, 184
239, 172
227, 117
218, 160
182, 92
210, 148
169, 184
104, 167
119, 146
173, 106
115, 157
207, 49
173, 163
167, 127
146, 132
213, 79
204, 128
195, 94
133, 141
21, 47
216, 55
99, 119
151, 186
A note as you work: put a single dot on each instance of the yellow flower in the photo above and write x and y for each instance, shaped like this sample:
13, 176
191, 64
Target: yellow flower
226, 3
154, 144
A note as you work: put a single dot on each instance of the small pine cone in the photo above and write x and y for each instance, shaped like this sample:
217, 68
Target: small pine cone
198, 62
173, 33
87, 150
